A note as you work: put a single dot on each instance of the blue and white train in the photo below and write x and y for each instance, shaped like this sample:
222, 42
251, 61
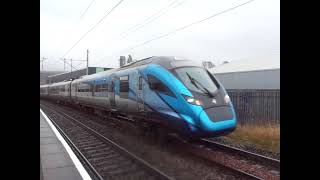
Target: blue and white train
174, 94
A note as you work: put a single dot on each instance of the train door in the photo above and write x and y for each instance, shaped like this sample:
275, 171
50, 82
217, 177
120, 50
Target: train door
140, 99
69, 91
112, 93
76, 92
92, 88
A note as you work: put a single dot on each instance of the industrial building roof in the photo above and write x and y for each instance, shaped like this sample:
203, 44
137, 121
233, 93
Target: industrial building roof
250, 64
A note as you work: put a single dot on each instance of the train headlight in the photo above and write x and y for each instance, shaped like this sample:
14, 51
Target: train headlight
192, 100
226, 99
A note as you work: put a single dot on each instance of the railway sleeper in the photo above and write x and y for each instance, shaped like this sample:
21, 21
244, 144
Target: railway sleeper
88, 143
86, 139
77, 132
98, 159
118, 167
94, 146
111, 161
100, 154
109, 151
139, 175
127, 171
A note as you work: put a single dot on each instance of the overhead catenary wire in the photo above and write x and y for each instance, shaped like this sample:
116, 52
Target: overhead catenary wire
79, 64
183, 27
87, 9
64, 60
73, 67
146, 22
85, 34
70, 65
135, 27
189, 25
83, 14
55, 63
157, 17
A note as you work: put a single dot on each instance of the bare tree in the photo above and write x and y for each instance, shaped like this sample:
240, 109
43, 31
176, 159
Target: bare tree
207, 64
129, 59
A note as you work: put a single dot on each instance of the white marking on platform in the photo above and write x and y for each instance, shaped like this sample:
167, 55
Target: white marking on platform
84, 174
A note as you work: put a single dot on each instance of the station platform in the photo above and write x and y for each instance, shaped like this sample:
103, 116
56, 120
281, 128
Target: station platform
57, 160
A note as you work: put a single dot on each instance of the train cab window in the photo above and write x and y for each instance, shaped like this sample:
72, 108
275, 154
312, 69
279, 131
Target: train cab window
156, 85
197, 79
124, 86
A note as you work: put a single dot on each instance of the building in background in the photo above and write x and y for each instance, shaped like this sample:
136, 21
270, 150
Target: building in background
44, 76
207, 64
255, 73
254, 88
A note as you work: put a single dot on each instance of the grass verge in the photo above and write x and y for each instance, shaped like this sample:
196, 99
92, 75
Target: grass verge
267, 138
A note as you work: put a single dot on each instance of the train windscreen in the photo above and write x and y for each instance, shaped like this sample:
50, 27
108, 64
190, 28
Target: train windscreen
196, 79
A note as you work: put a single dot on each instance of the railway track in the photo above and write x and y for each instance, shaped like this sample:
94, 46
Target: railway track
103, 158
244, 164
275, 163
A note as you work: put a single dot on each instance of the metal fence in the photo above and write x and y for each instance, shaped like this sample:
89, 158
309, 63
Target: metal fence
256, 107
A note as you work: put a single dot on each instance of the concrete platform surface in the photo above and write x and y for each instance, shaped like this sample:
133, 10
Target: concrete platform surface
55, 160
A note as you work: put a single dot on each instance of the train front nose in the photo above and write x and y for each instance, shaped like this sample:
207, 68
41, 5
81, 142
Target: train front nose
217, 120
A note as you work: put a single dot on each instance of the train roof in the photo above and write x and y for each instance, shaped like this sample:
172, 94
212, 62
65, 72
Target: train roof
168, 62
44, 85
60, 83
94, 76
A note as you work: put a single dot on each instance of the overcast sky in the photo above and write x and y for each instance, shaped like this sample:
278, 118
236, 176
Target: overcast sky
248, 31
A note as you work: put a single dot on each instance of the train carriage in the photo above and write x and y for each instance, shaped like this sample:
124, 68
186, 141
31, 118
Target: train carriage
44, 91
59, 91
177, 94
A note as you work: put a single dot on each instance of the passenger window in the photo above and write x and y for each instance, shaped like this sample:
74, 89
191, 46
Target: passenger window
105, 89
91, 88
96, 88
156, 85
111, 87
124, 86
140, 83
